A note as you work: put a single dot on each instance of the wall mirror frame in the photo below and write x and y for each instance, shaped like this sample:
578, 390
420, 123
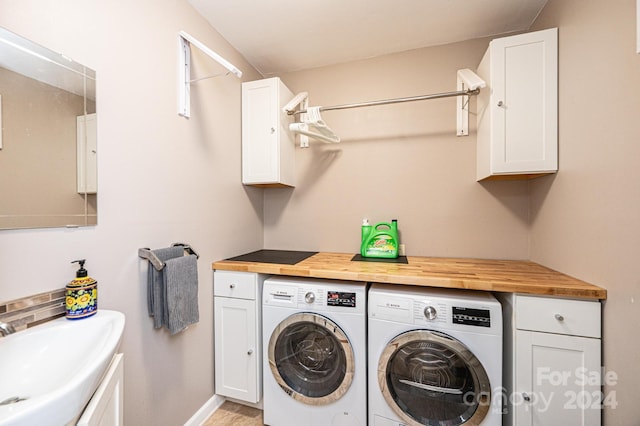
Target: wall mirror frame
48, 150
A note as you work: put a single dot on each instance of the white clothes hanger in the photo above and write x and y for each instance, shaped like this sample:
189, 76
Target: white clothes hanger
303, 129
316, 127
311, 124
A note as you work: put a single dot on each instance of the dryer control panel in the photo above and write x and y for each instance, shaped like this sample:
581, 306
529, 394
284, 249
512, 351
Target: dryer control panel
431, 311
436, 309
315, 295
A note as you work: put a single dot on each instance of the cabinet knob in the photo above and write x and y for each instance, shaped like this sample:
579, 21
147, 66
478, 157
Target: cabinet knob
250, 351
273, 130
232, 286
500, 103
559, 317
526, 397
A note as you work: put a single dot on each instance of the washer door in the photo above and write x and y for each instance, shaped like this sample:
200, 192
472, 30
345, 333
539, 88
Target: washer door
311, 358
430, 378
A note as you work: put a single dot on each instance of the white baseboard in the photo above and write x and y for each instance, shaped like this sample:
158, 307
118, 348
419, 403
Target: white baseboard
205, 411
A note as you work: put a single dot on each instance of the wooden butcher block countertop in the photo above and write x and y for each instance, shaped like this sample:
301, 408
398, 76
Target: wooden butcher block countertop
512, 276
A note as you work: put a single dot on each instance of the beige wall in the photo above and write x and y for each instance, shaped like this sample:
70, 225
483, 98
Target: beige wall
585, 220
162, 179
400, 161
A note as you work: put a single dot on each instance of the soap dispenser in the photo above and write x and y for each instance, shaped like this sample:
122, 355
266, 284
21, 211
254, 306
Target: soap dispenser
81, 294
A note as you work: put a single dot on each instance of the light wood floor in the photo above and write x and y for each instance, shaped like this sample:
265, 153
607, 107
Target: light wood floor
233, 414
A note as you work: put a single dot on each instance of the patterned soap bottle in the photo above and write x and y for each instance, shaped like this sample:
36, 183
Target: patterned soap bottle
81, 294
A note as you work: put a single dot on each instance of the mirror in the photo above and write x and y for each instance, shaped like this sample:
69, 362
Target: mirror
48, 138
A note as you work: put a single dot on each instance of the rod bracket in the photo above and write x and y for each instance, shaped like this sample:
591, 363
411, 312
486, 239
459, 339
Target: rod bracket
469, 82
184, 69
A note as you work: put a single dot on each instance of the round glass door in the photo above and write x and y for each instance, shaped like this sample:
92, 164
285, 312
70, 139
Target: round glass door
430, 378
311, 358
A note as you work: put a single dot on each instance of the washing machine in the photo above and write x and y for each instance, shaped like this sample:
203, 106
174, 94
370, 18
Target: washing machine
314, 341
435, 357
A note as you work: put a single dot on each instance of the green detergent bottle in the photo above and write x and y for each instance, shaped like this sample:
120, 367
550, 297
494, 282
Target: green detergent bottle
380, 241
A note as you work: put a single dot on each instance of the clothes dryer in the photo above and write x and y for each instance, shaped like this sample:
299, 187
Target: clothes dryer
314, 340
435, 357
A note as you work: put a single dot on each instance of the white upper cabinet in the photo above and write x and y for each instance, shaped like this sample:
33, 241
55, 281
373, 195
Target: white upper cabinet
87, 148
518, 111
268, 147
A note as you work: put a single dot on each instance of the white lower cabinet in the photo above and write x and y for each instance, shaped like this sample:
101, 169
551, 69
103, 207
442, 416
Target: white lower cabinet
106, 405
554, 383
553, 372
238, 335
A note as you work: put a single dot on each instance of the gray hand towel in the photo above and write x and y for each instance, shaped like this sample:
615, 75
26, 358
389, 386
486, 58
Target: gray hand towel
181, 293
155, 285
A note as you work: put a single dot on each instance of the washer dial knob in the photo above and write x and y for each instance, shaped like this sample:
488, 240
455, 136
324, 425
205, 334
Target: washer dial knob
430, 313
310, 297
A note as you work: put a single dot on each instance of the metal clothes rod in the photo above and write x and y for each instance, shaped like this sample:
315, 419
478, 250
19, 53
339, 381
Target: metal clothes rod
394, 101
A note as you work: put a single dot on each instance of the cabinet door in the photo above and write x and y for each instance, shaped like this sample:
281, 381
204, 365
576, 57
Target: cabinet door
557, 380
237, 355
87, 151
517, 127
106, 405
268, 148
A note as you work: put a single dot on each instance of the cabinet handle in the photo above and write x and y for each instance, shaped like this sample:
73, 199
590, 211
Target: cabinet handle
526, 397
559, 317
250, 351
232, 286
500, 103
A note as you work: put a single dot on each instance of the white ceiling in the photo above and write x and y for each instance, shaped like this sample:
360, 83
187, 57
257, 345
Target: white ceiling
278, 36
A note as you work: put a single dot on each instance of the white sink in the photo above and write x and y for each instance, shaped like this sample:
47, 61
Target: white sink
49, 372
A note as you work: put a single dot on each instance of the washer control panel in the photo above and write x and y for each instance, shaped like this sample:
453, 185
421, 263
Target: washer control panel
341, 298
471, 316
319, 297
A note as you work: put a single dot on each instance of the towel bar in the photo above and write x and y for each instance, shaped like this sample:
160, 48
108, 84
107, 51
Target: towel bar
146, 253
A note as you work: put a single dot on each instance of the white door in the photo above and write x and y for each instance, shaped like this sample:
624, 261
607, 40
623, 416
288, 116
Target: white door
524, 102
554, 380
268, 147
260, 151
106, 407
237, 354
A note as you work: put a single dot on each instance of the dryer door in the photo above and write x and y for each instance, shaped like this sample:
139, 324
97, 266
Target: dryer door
430, 378
311, 358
